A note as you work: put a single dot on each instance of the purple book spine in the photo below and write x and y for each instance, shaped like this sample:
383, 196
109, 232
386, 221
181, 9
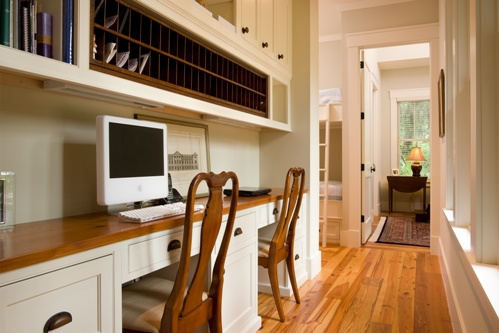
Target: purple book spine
44, 34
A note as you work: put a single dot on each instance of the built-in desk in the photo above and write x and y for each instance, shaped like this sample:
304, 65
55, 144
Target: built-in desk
78, 264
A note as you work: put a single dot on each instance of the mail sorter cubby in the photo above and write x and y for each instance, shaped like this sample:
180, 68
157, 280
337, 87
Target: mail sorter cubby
136, 45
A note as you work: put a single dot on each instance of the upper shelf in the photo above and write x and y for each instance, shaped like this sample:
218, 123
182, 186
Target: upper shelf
131, 44
78, 78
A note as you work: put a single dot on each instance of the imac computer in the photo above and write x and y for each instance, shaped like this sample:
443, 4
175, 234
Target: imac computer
132, 161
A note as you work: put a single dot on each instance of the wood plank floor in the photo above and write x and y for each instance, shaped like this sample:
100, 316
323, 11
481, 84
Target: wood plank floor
375, 288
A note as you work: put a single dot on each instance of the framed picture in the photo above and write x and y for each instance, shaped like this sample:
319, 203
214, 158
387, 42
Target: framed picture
7, 199
441, 103
188, 152
2, 201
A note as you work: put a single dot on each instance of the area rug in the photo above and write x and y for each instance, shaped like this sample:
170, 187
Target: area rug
406, 231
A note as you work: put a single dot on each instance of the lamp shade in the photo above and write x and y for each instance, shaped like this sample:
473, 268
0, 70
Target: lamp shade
416, 155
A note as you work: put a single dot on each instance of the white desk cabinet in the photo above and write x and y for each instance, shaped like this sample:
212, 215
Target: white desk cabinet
240, 293
82, 292
78, 265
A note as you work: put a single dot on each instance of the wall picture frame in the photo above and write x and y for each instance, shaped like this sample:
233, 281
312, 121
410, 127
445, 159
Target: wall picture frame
7, 199
188, 152
441, 103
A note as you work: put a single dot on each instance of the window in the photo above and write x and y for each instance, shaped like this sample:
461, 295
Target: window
413, 131
410, 127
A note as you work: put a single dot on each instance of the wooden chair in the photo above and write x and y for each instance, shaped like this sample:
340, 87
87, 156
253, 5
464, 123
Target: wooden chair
281, 246
158, 305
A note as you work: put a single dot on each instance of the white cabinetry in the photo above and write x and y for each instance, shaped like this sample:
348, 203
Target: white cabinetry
266, 25
147, 254
249, 21
240, 304
283, 28
81, 295
80, 79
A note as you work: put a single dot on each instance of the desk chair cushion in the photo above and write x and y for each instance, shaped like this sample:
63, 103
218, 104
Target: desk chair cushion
144, 303
264, 247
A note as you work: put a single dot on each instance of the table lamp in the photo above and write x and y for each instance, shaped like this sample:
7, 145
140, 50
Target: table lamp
416, 156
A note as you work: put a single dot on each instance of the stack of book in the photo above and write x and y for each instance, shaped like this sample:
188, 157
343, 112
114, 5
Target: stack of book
44, 27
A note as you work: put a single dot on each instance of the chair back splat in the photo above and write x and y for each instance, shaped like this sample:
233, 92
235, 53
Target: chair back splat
186, 307
281, 246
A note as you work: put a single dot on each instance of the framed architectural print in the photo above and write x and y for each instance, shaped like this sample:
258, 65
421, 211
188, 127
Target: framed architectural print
188, 152
7, 200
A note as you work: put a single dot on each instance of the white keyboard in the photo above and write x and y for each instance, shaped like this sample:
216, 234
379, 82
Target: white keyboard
155, 212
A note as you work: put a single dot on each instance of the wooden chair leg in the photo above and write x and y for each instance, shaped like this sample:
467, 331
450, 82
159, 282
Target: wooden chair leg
292, 276
274, 284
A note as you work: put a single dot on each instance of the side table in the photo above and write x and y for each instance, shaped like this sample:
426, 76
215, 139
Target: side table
406, 185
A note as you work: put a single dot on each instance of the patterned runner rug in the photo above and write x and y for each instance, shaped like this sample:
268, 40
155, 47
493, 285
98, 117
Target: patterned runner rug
405, 230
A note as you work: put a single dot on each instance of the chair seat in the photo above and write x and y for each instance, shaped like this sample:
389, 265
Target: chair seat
263, 247
144, 303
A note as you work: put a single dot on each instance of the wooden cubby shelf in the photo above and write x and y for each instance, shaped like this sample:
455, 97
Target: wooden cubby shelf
151, 51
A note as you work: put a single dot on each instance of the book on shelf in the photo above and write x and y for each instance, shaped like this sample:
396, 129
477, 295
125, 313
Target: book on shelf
25, 27
44, 34
68, 31
44, 27
5, 23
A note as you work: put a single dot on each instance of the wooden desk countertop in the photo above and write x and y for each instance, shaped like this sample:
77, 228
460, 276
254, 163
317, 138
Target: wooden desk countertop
35, 242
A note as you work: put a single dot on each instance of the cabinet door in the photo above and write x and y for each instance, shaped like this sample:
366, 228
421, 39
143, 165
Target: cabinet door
84, 292
266, 28
283, 28
249, 21
240, 294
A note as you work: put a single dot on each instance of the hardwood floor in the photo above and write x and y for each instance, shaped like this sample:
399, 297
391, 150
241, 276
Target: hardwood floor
375, 288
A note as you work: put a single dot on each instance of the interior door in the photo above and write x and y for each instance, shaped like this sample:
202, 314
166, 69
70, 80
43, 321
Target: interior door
367, 151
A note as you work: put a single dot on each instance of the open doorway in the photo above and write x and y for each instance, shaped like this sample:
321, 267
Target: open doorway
352, 203
386, 72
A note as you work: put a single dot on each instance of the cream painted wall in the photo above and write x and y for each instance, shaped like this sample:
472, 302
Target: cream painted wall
417, 77
401, 14
48, 140
330, 64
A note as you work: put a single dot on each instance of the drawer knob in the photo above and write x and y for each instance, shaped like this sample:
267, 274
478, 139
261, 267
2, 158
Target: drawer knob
275, 211
238, 232
245, 30
280, 56
58, 320
265, 44
174, 245
297, 257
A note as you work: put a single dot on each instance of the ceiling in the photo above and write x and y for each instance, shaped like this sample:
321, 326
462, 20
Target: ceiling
330, 29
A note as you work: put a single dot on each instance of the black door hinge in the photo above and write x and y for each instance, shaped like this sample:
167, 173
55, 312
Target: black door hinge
362, 218
362, 167
362, 115
361, 64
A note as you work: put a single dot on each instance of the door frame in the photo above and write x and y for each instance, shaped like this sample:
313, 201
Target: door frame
350, 234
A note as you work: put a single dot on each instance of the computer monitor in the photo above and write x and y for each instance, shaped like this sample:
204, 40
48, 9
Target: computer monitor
132, 160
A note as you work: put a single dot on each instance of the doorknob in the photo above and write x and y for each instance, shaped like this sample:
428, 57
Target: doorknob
373, 168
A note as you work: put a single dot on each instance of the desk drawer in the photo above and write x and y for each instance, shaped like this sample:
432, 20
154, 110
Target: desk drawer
156, 251
244, 230
269, 213
83, 292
